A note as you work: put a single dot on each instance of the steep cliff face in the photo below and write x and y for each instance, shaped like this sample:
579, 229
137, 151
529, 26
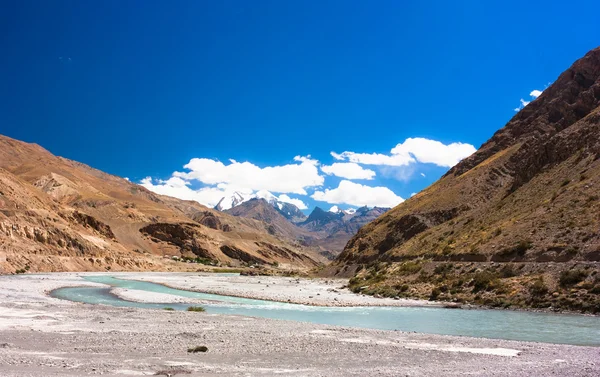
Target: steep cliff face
515, 224
61, 215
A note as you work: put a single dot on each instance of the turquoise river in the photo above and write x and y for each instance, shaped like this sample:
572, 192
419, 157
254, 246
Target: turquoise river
495, 324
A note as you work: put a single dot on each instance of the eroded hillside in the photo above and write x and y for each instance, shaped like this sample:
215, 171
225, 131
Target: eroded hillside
517, 224
61, 215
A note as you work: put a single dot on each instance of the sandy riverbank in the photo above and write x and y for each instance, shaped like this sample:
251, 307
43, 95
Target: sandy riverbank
43, 336
318, 292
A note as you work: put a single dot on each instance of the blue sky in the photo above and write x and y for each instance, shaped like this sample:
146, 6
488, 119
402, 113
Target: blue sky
140, 88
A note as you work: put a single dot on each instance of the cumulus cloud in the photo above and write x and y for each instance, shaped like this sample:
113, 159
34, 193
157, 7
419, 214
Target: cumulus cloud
179, 188
264, 194
246, 179
291, 178
348, 170
413, 150
534, 94
356, 194
297, 202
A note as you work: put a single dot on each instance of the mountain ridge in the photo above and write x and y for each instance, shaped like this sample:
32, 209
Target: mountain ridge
61, 215
513, 225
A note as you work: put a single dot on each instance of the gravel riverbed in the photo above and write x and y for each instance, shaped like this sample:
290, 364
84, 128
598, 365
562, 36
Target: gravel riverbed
43, 336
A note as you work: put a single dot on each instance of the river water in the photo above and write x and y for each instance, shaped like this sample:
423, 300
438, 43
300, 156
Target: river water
494, 324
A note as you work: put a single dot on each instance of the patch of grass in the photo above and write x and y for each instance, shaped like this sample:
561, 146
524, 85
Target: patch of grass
168, 308
409, 268
196, 309
226, 270
198, 349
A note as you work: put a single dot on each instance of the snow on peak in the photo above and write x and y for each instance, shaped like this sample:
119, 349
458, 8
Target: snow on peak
336, 209
230, 201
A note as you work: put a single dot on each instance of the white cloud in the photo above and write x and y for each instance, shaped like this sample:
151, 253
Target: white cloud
423, 175
413, 194
264, 194
534, 94
348, 170
178, 188
413, 150
358, 195
297, 202
291, 178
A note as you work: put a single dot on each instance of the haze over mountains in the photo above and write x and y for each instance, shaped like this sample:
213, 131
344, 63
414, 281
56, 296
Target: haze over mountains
514, 225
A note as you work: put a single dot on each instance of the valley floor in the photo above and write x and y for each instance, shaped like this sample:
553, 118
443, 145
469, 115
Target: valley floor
43, 336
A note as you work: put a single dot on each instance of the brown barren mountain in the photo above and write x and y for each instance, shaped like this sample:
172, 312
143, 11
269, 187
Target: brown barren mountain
517, 224
61, 215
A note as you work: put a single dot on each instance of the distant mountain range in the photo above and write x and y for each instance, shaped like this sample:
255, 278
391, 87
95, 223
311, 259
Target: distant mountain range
328, 230
288, 210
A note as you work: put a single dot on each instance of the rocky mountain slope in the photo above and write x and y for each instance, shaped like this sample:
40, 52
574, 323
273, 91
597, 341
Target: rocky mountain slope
328, 231
516, 224
61, 215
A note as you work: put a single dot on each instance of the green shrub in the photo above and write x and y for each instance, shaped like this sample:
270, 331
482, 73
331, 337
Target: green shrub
196, 309
484, 281
569, 278
409, 268
169, 309
538, 288
442, 269
435, 293
507, 272
198, 349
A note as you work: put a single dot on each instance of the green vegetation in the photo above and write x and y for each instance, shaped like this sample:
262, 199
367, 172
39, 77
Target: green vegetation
570, 278
200, 260
196, 309
538, 288
22, 270
409, 268
168, 308
507, 272
198, 349
485, 281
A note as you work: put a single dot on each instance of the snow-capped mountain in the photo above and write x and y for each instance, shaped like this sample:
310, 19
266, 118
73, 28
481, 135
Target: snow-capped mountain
288, 210
336, 209
230, 201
